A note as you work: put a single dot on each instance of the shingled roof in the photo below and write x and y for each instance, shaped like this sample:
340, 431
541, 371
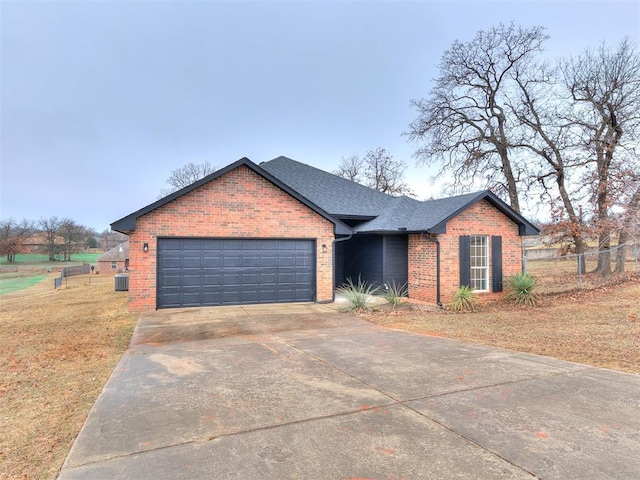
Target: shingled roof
116, 254
344, 198
339, 200
332, 193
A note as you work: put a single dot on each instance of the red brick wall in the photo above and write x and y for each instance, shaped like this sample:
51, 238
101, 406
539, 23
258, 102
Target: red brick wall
105, 267
240, 204
480, 219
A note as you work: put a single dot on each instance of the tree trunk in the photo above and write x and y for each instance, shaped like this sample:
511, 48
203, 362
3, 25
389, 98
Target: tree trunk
511, 181
574, 220
621, 254
604, 252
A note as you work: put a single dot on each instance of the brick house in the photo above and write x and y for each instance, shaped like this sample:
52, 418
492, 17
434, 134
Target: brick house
115, 260
283, 231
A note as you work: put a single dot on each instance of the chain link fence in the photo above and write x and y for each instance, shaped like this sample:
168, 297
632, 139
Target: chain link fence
557, 273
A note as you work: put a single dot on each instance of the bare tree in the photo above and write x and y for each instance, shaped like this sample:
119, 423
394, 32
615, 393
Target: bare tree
72, 236
109, 239
378, 170
605, 89
186, 175
49, 227
12, 237
464, 124
351, 168
548, 142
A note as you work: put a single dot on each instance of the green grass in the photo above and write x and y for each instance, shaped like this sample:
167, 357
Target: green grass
9, 285
39, 259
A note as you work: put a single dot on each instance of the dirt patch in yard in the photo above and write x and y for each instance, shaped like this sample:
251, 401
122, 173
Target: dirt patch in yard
58, 349
599, 327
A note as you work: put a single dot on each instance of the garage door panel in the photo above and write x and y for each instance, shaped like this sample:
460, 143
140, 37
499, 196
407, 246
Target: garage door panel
231, 279
170, 280
192, 262
211, 262
211, 280
231, 262
207, 271
286, 261
249, 279
191, 281
171, 262
268, 261
251, 260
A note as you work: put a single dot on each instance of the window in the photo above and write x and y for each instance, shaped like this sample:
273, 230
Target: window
474, 262
114, 265
479, 259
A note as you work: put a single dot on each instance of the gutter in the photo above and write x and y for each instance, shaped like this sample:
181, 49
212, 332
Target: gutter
437, 243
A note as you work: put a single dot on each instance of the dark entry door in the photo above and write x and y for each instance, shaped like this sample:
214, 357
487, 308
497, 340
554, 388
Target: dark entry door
195, 272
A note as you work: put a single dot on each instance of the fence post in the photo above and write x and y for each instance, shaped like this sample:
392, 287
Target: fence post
524, 259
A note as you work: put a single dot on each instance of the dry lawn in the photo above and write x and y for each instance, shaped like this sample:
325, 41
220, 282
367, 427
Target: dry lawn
58, 350
599, 327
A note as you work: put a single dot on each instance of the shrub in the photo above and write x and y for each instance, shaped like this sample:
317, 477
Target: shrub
393, 293
462, 300
358, 295
521, 290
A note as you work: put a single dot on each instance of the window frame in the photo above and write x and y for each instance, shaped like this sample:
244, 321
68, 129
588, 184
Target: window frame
474, 255
114, 265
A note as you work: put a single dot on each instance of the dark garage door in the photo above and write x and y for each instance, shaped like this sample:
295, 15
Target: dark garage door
213, 271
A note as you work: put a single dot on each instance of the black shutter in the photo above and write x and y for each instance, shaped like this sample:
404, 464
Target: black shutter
496, 263
465, 260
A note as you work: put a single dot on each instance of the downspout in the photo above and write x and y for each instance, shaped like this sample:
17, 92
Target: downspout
437, 242
333, 261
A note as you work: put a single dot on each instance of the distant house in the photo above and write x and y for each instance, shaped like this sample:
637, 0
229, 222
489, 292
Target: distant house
283, 231
39, 243
115, 260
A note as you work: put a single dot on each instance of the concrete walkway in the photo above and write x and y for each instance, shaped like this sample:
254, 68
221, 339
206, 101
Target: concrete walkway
304, 392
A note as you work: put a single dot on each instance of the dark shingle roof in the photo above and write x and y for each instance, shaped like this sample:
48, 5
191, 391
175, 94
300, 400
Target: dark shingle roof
117, 254
345, 198
433, 215
128, 224
332, 193
337, 199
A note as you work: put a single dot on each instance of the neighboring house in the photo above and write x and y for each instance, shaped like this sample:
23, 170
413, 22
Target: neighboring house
39, 243
283, 231
115, 260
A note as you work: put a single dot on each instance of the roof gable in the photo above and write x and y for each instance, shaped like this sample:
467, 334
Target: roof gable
334, 194
119, 253
406, 214
127, 224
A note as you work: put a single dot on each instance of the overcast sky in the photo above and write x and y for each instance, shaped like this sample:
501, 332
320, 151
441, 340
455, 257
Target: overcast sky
101, 100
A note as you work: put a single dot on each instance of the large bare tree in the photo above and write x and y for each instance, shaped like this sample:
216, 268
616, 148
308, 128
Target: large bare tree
464, 125
186, 175
73, 236
378, 170
605, 90
50, 227
549, 145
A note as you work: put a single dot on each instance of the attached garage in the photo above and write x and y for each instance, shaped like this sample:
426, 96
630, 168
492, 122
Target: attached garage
229, 271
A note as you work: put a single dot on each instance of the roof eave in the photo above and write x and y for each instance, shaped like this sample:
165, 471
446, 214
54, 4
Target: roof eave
127, 224
525, 228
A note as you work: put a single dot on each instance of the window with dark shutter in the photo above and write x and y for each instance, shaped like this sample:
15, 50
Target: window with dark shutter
496, 263
465, 260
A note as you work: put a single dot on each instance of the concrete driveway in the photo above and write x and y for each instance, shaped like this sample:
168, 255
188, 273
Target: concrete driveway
304, 392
